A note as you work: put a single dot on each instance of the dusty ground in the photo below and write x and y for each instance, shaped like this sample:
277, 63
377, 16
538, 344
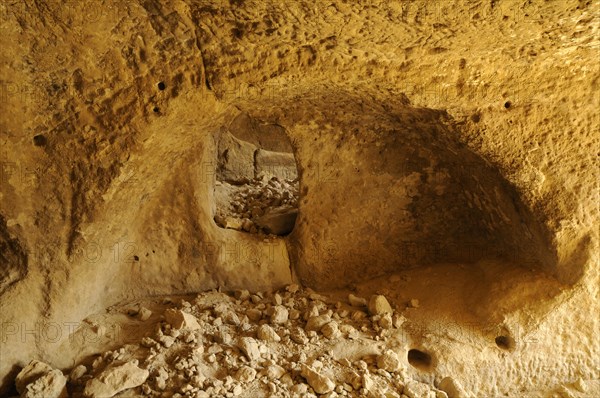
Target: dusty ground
453, 144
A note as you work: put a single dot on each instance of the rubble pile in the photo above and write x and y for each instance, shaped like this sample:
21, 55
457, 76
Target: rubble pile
266, 204
290, 343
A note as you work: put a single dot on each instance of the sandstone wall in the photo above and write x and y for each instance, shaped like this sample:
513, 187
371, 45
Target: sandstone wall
424, 132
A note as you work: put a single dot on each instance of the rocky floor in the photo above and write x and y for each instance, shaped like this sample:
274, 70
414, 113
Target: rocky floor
291, 343
266, 204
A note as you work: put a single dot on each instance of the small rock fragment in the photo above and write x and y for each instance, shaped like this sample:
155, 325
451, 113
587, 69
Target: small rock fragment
388, 361
246, 374
144, 314
385, 322
34, 370
77, 373
358, 315
298, 336
50, 385
254, 314
181, 320
161, 378
148, 342
317, 322
167, 341
300, 389
349, 331
249, 347
378, 305
242, 294
275, 372
416, 389
368, 384
330, 330
398, 320
317, 297
287, 380
294, 314
231, 318
237, 390
267, 333
451, 387
440, 394
355, 380
280, 315
356, 301
293, 288
313, 311
320, 383
115, 379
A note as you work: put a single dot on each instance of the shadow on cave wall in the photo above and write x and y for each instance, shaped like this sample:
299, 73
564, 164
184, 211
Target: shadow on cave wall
13, 258
386, 186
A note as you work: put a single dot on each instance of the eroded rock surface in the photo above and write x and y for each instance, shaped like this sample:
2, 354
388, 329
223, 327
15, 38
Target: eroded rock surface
453, 142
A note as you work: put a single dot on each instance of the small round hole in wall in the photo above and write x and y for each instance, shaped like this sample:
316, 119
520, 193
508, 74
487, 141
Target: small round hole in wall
507, 104
505, 342
39, 140
161, 86
156, 109
419, 359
